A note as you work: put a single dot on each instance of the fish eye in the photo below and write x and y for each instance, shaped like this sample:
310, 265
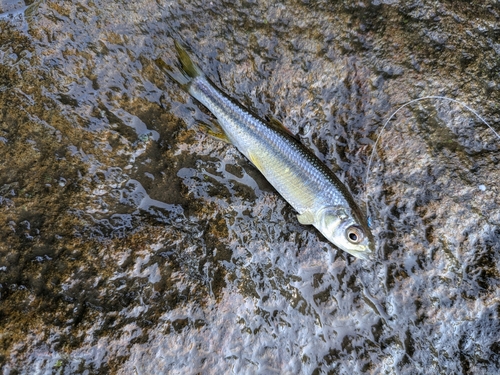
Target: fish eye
354, 234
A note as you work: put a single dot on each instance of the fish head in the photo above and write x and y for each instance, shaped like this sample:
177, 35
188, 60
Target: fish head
346, 231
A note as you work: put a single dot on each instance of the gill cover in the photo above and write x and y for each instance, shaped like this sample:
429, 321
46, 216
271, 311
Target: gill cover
342, 230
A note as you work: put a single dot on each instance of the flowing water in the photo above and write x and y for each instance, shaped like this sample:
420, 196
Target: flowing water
133, 243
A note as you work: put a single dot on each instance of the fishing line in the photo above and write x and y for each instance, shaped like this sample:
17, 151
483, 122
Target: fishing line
394, 114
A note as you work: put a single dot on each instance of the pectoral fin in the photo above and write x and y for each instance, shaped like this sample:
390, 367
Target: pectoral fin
307, 218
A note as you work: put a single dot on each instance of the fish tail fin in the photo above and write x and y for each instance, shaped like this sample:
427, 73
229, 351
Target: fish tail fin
187, 68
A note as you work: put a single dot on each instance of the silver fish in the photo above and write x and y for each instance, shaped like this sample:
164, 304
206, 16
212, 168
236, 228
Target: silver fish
312, 189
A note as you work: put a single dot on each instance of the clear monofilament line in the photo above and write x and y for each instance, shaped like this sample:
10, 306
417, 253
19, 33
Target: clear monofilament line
399, 109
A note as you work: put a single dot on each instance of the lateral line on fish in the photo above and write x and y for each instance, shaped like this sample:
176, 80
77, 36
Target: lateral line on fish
406, 105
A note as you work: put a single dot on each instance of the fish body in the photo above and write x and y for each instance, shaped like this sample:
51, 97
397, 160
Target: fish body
307, 184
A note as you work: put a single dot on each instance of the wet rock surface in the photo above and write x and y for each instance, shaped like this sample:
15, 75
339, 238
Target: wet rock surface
133, 243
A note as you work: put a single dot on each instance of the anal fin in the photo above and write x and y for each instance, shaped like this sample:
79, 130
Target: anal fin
214, 130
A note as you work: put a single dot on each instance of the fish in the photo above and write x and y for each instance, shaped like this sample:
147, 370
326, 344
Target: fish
299, 176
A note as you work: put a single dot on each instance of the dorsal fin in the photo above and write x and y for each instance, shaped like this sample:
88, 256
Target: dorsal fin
278, 125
